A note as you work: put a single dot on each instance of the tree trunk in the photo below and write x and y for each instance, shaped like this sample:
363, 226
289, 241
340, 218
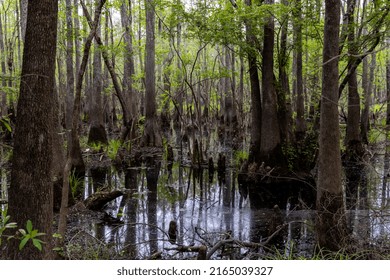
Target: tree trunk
69, 71
118, 90
270, 148
365, 117
388, 90
151, 135
300, 119
23, 17
75, 152
76, 34
284, 101
353, 140
3, 106
128, 67
254, 151
331, 223
31, 191
97, 131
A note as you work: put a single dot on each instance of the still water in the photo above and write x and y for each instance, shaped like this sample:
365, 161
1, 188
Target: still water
206, 208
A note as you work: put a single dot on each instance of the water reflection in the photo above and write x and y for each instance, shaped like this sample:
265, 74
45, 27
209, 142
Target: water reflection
208, 208
206, 211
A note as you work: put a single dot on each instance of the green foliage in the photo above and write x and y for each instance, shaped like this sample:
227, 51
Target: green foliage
5, 223
240, 157
141, 124
376, 134
76, 184
113, 148
301, 156
30, 234
5, 121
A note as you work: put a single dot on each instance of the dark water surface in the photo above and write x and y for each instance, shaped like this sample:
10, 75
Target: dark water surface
208, 208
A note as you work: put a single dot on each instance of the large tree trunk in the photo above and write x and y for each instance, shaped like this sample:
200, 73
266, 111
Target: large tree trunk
128, 66
270, 148
31, 191
331, 223
97, 130
254, 151
284, 101
152, 135
353, 140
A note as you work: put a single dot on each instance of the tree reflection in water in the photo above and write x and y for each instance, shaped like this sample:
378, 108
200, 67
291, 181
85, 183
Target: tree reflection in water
207, 209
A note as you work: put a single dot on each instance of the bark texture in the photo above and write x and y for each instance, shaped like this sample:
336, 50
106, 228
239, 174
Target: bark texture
31, 191
331, 223
270, 148
151, 132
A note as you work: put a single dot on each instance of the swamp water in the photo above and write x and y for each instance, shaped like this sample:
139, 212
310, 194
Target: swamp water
206, 208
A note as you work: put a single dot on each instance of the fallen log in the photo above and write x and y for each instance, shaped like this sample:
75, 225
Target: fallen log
98, 200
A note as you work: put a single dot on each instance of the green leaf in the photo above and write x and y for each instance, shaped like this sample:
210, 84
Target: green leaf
57, 235
29, 226
22, 231
37, 244
5, 122
11, 225
23, 243
33, 233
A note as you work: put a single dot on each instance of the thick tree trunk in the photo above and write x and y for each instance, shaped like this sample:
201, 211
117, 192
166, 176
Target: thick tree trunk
31, 191
151, 135
284, 101
128, 68
254, 151
97, 131
353, 140
270, 148
331, 223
